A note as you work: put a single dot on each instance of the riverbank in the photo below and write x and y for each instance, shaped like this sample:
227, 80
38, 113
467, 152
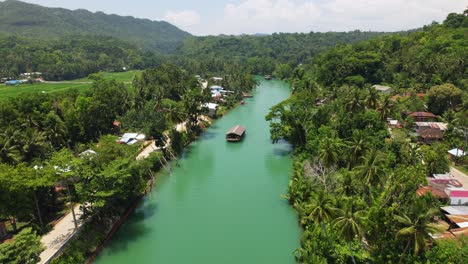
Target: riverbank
222, 202
89, 243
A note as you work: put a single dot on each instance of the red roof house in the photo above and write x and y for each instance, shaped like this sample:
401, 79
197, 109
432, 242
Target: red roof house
422, 116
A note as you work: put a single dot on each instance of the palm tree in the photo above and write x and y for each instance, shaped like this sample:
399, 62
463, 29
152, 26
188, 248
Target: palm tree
320, 209
414, 153
174, 111
349, 224
34, 144
55, 130
385, 108
9, 152
372, 97
450, 117
357, 146
354, 104
417, 230
329, 151
372, 168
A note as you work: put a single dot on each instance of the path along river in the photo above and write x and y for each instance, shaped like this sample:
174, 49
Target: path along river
222, 202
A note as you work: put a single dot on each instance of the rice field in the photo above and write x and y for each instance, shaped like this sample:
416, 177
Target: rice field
55, 87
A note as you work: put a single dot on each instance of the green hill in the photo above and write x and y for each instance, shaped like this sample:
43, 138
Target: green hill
266, 54
36, 21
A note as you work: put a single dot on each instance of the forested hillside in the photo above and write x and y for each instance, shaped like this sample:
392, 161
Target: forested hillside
435, 55
71, 57
53, 23
266, 54
355, 178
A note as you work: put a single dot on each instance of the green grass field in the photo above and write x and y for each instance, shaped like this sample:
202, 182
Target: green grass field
13, 91
118, 76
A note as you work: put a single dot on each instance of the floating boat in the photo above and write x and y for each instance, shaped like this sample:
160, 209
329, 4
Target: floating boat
235, 134
268, 77
242, 102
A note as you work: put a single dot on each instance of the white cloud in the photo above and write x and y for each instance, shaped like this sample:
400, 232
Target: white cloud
185, 19
268, 16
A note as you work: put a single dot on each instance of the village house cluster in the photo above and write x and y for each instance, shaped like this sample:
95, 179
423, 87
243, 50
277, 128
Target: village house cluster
27, 77
451, 187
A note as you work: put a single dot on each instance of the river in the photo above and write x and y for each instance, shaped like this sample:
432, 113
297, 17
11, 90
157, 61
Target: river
221, 203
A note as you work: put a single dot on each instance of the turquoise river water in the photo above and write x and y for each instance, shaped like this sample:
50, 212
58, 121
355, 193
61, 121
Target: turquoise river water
222, 202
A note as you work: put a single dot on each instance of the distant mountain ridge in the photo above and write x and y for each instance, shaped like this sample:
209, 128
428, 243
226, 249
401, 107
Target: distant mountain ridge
36, 21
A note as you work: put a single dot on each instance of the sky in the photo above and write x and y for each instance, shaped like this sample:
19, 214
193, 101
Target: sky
234, 17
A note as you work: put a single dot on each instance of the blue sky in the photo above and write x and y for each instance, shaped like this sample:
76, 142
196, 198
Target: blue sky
204, 17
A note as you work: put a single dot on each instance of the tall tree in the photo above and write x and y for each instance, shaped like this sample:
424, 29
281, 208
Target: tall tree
417, 230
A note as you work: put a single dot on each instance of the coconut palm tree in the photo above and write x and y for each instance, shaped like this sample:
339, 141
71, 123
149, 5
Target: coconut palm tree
349, 224
450, 117
385, 108
320, 209
357, 146
417, 230
34, 144
372, 97
9, 151
329, 151
372, 168
55, 130
414, 153
354, 103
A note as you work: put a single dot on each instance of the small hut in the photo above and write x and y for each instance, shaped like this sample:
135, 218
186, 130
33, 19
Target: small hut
235, 134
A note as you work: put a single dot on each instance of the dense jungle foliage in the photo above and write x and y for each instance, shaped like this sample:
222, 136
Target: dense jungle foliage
354, 182
38, 22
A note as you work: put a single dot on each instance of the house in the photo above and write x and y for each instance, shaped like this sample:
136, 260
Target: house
429, 135
12, 82
393, 123
383, 89
216, 87
457, 216
457, 196
203, 83
212, 108
131, 138
422, 116
455, 154
457, 219
435, 192
442, 184
425, 125
31, 74
216, 95
217, 79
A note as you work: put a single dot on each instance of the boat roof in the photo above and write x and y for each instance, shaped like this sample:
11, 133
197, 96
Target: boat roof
237, 130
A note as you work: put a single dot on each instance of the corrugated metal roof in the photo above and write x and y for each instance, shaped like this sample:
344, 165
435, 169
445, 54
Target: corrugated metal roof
459, 193
435, 192
439, 125
431, 133
460, 220
456, 210
237, 130
457, 152
422, 114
